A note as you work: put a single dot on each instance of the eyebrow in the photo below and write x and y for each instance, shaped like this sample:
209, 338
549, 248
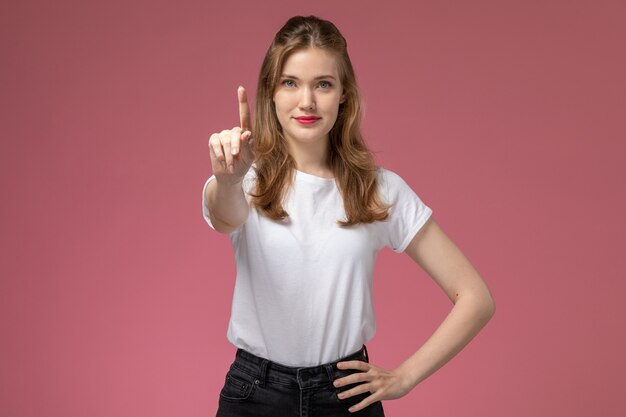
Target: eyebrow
316, 78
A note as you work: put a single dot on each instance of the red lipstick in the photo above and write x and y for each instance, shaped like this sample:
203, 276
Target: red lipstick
307, 120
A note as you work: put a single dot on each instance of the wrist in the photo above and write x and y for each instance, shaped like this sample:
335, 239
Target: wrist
408, 377
228, 182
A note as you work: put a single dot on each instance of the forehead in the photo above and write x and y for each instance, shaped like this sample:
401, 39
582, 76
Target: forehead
310, 63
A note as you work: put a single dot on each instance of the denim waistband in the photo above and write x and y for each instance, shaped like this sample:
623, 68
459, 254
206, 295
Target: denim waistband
264, 370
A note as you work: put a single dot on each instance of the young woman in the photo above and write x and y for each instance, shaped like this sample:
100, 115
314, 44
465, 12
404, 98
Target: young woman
307, 211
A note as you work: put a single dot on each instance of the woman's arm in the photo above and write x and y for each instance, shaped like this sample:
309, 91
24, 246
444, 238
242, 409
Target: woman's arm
227, 205
473, 308
231, 157
473, 304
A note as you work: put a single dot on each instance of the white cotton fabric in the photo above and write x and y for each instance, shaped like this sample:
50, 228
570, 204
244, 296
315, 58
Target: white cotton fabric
303, 291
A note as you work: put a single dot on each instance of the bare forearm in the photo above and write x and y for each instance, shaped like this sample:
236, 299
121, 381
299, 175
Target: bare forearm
468, 316
227, 205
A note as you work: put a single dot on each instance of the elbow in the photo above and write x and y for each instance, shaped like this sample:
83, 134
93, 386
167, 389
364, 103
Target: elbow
490, 308
484, 309
485, 301
487, 307
224, 227
482, 303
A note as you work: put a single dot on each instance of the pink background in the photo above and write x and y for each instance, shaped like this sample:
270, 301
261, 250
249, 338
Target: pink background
507, 118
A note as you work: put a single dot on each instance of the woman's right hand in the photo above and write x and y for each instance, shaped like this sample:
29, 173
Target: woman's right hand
231, 151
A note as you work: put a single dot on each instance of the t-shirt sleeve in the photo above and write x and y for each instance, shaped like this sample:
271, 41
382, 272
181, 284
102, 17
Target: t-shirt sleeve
407, 214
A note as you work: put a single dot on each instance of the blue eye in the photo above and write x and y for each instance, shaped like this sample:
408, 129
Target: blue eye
289, 83
325, 84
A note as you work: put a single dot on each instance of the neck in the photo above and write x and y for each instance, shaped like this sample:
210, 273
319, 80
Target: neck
311, 158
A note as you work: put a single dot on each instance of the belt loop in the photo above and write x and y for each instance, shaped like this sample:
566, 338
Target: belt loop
330, 371
367, 358
263, 373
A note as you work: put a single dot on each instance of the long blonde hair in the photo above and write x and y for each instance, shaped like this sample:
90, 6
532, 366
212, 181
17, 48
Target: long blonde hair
350, 160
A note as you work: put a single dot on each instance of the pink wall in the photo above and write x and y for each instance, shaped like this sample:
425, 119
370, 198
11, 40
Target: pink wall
507, 118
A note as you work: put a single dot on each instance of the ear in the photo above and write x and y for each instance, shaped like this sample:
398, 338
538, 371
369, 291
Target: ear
343, 98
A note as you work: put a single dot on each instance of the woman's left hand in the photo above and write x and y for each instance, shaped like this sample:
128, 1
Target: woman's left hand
382, 384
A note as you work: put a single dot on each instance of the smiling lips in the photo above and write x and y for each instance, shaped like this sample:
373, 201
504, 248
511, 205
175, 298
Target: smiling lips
307, 120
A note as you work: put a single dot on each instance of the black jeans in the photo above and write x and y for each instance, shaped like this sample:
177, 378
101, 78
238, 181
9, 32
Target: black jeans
257, 387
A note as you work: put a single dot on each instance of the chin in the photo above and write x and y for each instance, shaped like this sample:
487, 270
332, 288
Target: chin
307, 137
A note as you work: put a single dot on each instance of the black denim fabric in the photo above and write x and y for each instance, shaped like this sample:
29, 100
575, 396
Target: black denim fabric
257, 387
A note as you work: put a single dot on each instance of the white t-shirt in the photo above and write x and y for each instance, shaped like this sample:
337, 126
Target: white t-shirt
303, 292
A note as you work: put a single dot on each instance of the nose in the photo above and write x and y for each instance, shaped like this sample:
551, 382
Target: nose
307, 99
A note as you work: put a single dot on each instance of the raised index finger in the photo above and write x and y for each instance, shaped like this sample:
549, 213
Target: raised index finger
244, 109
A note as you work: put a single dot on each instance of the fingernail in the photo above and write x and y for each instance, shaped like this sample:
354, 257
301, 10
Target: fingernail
231, 169
336, 383
235, 150
341, 395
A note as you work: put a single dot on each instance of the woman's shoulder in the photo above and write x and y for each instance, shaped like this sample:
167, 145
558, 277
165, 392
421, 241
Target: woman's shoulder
385, 172
388, 177
392, 184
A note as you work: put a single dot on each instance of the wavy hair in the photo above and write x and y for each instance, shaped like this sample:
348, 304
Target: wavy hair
350, 160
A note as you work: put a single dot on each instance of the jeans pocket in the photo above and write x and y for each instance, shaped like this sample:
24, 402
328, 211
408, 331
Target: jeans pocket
238, 386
